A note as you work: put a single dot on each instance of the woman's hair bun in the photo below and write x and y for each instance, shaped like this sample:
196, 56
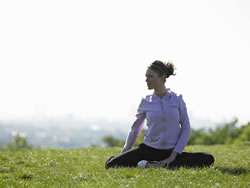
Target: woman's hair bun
170, 67
166, 69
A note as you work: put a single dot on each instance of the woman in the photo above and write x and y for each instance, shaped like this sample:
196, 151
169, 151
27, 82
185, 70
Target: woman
168, 128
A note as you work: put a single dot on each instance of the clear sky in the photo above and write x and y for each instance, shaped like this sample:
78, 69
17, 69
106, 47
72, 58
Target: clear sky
88, 58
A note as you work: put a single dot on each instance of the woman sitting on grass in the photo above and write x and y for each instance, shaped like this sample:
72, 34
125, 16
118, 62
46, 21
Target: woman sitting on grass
168, 128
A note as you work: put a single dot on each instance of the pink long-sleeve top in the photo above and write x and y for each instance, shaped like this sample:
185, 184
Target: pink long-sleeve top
167, 123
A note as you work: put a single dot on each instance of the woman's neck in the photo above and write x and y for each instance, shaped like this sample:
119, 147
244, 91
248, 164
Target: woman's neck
161, 91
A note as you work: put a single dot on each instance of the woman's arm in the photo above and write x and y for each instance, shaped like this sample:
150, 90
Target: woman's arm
134, 133
185, 127
135, 129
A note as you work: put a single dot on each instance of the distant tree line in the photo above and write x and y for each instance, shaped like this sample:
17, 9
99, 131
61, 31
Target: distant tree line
224, 134
16, 144
111, 141
228, 133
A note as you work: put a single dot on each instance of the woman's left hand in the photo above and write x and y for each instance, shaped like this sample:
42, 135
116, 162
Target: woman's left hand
168, 160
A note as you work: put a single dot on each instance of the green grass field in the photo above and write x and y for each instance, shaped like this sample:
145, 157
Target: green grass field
85, 168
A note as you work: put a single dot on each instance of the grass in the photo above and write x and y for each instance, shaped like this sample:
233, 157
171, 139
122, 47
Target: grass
85, 168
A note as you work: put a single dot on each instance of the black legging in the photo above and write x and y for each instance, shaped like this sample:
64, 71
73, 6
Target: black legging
144, 152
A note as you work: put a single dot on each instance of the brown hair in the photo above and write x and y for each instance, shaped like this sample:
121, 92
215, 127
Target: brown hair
161, 68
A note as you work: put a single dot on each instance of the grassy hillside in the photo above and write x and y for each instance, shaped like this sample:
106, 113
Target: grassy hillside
85, 168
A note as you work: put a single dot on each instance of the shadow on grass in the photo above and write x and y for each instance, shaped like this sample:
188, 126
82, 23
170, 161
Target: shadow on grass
224, 170
233, 171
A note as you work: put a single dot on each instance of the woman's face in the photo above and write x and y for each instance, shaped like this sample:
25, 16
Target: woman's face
153, 79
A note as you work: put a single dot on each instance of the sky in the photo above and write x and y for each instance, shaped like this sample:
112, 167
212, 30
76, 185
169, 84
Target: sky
88, 58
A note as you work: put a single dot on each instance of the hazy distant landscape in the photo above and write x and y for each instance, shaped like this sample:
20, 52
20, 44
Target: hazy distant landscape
69, 132
62, 133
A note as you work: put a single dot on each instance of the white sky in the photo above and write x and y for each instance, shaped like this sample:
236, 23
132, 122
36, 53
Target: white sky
88, 58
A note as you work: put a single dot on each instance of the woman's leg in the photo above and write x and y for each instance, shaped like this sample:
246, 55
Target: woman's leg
133, 156
186, 159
